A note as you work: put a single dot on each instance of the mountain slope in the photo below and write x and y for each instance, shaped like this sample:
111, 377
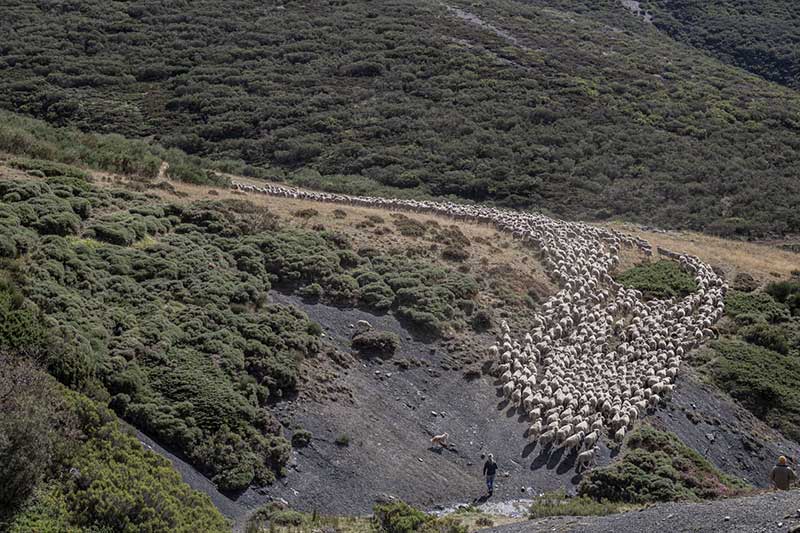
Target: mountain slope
757, 35
577, 108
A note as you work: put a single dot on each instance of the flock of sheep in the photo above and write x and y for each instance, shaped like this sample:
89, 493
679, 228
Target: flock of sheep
598, 356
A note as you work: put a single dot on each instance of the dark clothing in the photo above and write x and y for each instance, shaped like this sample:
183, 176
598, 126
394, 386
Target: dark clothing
782, 476
490, 484
489, 470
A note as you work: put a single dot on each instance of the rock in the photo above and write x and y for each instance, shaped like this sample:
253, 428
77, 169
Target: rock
727, 518
419, 459
434, 413
384, 498
710, 437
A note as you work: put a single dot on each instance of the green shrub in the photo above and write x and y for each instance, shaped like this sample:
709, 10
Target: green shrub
382, 343
559, 504
763, 381
482, 320
767, 336
661, 279
399, 517
342, 440
657, 467
757, 303
313, 291
455, 253
786, 292
301, 438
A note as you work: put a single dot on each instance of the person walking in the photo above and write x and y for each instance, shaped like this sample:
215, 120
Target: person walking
489, 470
782, 476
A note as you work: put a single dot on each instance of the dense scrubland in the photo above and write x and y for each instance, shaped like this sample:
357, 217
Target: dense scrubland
757, 35
65, 462
162, 309
576, 108
756, 358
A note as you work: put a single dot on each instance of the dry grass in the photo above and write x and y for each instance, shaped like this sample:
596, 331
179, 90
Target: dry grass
764, 262
491, 252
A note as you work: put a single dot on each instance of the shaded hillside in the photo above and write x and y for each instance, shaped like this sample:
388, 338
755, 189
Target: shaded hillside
578, 108
757, 35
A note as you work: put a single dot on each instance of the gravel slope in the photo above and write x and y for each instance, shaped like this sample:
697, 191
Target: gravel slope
768, 512
390, 418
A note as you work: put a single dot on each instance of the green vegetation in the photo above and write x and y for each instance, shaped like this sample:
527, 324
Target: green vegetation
656, 466
757, 35
557, 503
757, 361
382, 343
176, 334
161, 310
301, 438
567, 116
660, 279
395, 517
787, 293
399, 517
52, 151
65, 465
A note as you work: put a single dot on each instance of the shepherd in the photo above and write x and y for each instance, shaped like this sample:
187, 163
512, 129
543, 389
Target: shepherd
489, 470
782, 476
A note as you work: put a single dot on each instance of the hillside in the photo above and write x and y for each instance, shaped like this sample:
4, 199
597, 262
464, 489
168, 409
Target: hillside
756, 35
579, 109
196, 247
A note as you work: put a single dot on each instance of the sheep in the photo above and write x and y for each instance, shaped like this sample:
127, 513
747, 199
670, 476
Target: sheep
586, 458
572, 442
563, 432
535, 430
598, 346
547, 437
619, 435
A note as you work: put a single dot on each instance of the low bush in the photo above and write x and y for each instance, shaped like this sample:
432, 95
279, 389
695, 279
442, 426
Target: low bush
399, 517
656, 466
559, 504
374, 342
767, 336
660, 279
788, 293
301, 438
758, 303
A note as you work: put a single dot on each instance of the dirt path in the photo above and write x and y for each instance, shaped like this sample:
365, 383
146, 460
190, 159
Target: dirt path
771, 512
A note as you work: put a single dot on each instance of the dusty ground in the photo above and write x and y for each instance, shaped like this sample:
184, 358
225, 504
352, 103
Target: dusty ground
764, 262
771, 512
